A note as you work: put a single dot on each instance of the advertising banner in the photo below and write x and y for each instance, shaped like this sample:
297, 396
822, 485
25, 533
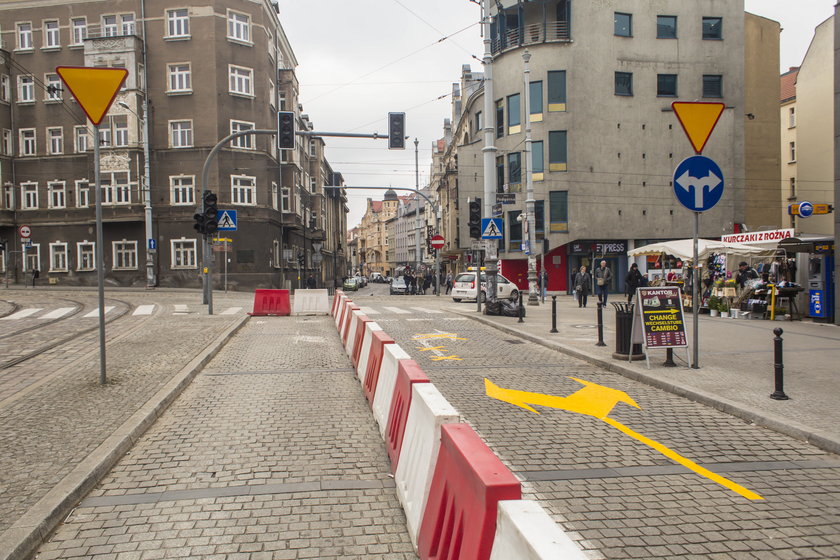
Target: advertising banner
662, 318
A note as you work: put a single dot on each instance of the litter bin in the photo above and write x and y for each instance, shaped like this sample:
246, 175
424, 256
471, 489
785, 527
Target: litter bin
623, 331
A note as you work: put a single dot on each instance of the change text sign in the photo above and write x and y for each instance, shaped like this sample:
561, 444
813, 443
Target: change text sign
661, 313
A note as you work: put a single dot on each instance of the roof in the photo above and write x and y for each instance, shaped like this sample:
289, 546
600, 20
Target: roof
375, 205
788, 85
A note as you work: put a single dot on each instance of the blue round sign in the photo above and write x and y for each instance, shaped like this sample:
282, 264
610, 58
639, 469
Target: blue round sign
698, 183
806, 209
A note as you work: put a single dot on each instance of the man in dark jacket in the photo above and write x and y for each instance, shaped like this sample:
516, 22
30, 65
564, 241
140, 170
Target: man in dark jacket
745, 272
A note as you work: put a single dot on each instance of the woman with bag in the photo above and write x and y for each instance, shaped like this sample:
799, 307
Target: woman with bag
583, 286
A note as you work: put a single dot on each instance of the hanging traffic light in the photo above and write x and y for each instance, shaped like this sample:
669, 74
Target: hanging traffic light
396, 131
286, 130
211, 210
199, 222
474, 219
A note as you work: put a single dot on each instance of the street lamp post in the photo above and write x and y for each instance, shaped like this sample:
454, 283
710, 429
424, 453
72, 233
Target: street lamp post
529, 223
417, 205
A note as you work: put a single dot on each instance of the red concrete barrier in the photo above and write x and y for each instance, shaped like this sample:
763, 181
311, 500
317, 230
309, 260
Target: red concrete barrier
339, 312
348, 317
342, 316
469, 480
408, 373
336, 299
361, 325
271, 302
377, 349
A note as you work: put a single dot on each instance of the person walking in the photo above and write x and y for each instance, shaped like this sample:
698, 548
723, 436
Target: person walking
633, 280
603, 279
310, 282
448, 283
583, 286
543, 283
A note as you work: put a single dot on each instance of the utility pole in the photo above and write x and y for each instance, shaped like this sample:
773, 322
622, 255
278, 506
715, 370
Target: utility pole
491, 256
417, 205
533, 298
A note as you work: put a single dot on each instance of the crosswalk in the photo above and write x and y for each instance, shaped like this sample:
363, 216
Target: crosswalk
368, 310
39, 313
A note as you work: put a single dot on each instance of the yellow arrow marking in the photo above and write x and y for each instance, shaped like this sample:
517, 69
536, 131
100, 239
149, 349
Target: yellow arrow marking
424, 348
439, 358
597, 400
450, 336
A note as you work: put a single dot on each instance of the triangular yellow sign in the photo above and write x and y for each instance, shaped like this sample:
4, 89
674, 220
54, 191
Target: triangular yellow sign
94, 88
698, 120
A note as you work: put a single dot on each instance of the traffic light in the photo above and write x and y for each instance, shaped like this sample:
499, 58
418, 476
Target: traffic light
285, 130
396, 131
301, 261
199, 222
211, 210
474, 220
2, 246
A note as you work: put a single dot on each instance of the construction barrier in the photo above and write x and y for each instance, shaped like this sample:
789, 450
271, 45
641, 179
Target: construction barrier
345, 322
271, 302
336, 298
408, 373
525, 531
421, 442
469, 481
311, 302
339, 311
385, 385
352, 325
377, 351
359, 338
364, 352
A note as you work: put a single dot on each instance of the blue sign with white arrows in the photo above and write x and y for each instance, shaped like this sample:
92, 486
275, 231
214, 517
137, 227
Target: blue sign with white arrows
698, 183
491, 228
226, 219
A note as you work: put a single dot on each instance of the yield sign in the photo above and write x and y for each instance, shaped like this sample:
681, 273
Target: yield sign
94, 88
698, 120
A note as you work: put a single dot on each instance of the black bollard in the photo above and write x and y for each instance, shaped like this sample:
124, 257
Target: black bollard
669, 358
520, 309
553, 314
600, 325
779, 393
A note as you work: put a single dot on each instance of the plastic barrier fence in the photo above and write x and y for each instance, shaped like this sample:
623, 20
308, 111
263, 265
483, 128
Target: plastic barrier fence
377, 351
345, 324
408, 373
360, 335
385, 386
271, 302
336, 299
312, 302
352, 325
364, 353
525, 531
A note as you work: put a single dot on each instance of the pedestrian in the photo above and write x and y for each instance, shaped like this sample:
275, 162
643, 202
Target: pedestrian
603, 279
411, 282
745, 273
310, 282
448, 283
35, 276
583, 286
633, 280
427, 282
543, 283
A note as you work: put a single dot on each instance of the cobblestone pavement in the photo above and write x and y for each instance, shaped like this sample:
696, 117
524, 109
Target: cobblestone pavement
272, 452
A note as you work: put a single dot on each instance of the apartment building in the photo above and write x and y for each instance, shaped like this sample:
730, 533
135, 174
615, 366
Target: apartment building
197, 72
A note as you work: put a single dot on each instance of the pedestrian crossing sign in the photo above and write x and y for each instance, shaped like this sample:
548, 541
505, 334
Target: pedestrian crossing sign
226, 219
491, 228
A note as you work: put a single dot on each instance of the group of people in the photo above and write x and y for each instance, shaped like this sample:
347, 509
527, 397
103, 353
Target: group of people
602, 277
417, 285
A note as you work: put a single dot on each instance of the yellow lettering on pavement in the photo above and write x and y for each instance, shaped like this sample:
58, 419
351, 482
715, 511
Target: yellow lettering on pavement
439, 358
424, 348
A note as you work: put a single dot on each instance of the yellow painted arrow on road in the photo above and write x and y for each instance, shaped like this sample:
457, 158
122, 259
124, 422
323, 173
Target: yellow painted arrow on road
598, 401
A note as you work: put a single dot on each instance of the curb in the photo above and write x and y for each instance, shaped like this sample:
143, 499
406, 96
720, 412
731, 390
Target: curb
773, 422
21, 540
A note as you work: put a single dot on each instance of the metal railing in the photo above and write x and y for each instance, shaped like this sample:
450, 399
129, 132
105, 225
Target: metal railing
533, 33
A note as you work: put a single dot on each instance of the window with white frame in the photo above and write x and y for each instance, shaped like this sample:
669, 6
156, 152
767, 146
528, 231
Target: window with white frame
82, 193
116, 188
125, 255
29, 196
109, 26
128, 24
241, 80
26, 89
272, 94
282, 100
53, 90
180, 79
275, 196
178, 23
245, 142
180, 134
243, 190
28, 145
239, 27
8, 143
312, 149
33, 257
24, 36
9, 196
120, 126
86, 256
56, 197
58, 257
52, 39
182, 190
79, 30
183, 253
285, 199
55, 140
81, 138
5, 88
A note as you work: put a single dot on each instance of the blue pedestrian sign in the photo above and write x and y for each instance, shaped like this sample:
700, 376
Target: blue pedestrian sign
806, 209
491, 228
152, 244
698, 183
226, 219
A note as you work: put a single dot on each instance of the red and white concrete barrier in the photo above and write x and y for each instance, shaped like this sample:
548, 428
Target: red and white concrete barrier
385, 385
378, 342
408, 373
525, 531
355, 316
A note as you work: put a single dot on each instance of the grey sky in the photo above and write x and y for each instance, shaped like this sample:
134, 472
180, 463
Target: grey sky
359, 60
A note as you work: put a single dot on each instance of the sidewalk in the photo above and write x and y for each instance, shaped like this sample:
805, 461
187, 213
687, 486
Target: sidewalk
736, 373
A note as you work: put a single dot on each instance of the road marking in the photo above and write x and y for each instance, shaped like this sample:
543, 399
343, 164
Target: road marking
22, 314
424, 310
424, 349
95, 312
369, 311
231, 311
144, 310
440, 358
180, 308
598, 401
56, 313
397, 310
450, 336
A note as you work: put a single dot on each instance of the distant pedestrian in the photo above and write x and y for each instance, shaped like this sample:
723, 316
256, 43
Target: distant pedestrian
427, 283
583, 286
543, 282
448, 283
633, 280
35, 276
310, 282
603, 279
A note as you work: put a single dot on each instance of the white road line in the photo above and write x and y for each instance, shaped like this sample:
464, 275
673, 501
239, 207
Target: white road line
22, 314
56, 313
397, 310
231, 311
180, 308
424, 310
95, 312
144, 310
369, 311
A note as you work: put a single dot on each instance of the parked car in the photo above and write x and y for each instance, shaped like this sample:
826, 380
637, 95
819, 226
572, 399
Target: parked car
398, 286
377, 278
464, 287
361, 280
350, 285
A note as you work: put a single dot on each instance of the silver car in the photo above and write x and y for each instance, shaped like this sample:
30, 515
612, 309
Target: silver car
464, 287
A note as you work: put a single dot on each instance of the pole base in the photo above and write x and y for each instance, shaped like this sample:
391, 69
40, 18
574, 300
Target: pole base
779, 396
625, 357
600, 343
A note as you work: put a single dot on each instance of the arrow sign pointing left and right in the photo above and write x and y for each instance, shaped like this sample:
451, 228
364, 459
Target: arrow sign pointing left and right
698, 183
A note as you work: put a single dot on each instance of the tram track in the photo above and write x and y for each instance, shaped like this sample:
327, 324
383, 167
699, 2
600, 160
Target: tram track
78, 306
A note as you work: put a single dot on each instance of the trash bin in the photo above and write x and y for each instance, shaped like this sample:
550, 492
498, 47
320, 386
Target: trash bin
623, 331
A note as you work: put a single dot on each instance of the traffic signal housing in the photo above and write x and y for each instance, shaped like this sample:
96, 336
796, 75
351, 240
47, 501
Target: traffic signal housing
211, 210
474, 218
286, 130
301, 262
396, 131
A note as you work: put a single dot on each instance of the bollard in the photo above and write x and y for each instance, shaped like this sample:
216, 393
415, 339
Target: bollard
600, 326
669, 358
521, 309
553, 314
779, 393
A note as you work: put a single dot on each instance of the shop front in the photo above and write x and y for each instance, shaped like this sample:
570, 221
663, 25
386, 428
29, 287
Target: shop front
590, 253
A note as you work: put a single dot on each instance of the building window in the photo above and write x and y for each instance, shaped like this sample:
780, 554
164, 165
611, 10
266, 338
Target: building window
109, 26
274, 196
501, 186
623, 24
312, 149
538, 160
58, 257
8, 143
535, 93
557, 146
5, 88
272, 94
86, 256
557, 90
624, 83
243, 190
792, 188
666, 27
500, 118
128, 24
26, 89
239, 27
241, 80
82, 194
105, 136
116, 188
55, 140
478, 122
712, 28
792, 117
125, 255
514, 161
24, 36
9, 196
285, 200
180, 79
51, 35
514, 114
120, 126
514, 231
28, 145
29, 196
56, 195
666, 85
53, 89
180, 134
712, 85
245, 142
183, 253
558, 211
182, 190
178, 23
792, 147
33, 257
81, 139
79, 26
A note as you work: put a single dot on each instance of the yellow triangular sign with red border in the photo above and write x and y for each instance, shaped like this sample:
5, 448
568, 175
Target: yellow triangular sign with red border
94, 88
698, 119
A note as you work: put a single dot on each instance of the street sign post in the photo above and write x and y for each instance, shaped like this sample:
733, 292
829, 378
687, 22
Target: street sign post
227, 220
25, 231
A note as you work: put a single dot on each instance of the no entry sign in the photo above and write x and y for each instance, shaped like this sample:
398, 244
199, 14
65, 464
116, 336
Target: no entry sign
438, 242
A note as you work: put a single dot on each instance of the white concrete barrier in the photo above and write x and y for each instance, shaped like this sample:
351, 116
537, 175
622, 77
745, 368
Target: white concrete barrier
525, 531
345, 317
351, 332
421, 442
339, 310
385, 386
311, 302
365, 352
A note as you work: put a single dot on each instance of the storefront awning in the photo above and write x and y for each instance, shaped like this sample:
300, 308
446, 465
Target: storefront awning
684, 249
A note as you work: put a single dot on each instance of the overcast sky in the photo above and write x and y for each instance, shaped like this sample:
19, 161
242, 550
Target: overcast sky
359, 60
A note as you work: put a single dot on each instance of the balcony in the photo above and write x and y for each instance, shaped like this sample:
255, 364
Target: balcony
531, 34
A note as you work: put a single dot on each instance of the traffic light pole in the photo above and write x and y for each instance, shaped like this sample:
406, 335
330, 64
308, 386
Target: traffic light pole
491, 255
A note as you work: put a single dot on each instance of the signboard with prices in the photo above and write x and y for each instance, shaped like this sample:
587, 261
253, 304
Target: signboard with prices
661, 314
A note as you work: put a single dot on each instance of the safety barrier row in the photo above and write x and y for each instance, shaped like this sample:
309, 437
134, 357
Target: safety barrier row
460, 500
